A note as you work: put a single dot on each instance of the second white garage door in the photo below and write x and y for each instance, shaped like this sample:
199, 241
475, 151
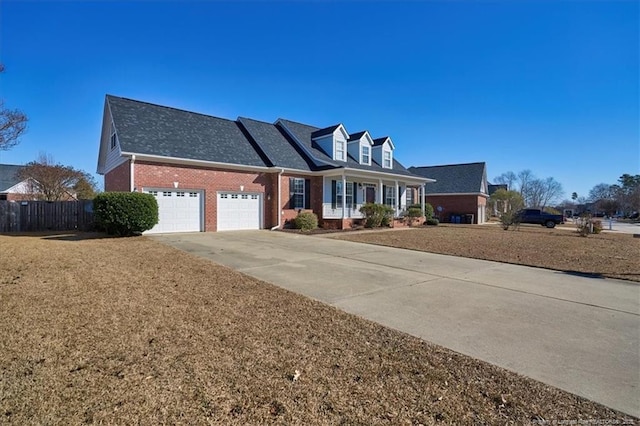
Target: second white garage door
239, 210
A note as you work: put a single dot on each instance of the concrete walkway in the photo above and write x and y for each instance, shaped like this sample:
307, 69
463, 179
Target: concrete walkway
579, 334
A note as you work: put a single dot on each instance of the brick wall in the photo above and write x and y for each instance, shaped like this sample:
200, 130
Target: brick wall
209, 180
316, 197
118, 179
456, 204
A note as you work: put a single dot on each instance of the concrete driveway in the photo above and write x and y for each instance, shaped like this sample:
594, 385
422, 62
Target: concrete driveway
579, 334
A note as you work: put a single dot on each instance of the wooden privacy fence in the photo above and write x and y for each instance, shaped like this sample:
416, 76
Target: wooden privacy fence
28, 216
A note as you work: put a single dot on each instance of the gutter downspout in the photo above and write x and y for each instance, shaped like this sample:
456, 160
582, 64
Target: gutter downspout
131, 173
279, 202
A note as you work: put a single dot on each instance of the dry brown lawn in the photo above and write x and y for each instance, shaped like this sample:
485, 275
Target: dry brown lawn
129, 331
605, 255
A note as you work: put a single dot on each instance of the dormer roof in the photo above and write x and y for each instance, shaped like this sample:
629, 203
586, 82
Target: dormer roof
326, 131
356, 136
382, 140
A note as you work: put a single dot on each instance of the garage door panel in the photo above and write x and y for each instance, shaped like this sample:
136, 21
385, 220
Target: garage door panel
238, 211
178, 211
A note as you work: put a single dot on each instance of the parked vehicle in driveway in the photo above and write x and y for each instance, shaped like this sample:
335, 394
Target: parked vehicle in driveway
537, 216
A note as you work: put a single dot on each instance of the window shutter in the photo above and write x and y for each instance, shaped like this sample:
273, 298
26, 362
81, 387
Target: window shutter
292, 201
384, 194
355, 195
333, 194
307, 193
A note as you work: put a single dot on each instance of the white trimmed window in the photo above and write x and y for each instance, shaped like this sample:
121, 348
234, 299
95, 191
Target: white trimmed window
349, 194
409, 196
366, 155
297, 193
339, 193
114, 138
386, 159
390, 196
340, 150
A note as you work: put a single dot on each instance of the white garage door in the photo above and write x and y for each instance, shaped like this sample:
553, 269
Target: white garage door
178, 211
238, 210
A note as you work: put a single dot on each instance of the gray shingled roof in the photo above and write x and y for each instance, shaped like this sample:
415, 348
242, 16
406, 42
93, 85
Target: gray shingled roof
281, 151
326, 131
356, 136
379, 141
303, 133
453, 178
144, 128
9, 176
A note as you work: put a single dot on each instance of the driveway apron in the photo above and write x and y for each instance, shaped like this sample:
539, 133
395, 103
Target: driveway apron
576, 333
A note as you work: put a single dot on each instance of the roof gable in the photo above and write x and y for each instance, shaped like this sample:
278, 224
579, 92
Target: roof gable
454, 178
381, 141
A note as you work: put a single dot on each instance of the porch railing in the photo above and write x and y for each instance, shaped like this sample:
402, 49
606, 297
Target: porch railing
329, 212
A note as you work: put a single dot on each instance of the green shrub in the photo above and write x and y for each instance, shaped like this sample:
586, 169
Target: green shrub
432, 221
306, 221
125, 213
376, 215
412, 214
428, 209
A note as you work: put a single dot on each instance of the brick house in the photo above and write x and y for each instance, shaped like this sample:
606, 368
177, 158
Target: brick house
215, 174
460, 191
12, 187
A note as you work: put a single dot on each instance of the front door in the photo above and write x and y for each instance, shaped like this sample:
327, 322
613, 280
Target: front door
370, 195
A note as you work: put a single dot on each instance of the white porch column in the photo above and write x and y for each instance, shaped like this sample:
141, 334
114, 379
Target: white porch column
344, 194
396, 208
379, 195
421, 191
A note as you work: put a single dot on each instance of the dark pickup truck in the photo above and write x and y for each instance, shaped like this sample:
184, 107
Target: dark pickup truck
540, 218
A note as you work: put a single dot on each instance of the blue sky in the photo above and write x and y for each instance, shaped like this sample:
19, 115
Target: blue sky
541, 85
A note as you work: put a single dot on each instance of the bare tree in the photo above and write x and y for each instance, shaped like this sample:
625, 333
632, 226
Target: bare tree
54, 182
551, 192
602, 191
535, 192
13, 123
507, 178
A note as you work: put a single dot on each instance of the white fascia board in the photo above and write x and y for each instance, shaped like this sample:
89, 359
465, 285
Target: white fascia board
368, 137
377, 175
345, 134
202, 163
393, 147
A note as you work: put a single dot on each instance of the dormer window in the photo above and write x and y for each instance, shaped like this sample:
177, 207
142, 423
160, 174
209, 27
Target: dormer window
366, 155
386, 158
340, 150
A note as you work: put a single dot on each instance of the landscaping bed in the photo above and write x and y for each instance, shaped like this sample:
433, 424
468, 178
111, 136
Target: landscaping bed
130, 331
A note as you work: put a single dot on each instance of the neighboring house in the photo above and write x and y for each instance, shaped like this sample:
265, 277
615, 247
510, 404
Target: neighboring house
214, 174
459, 190
13, 188
494, 205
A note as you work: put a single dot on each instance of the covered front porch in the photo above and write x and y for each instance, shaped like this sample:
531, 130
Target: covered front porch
344, 195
